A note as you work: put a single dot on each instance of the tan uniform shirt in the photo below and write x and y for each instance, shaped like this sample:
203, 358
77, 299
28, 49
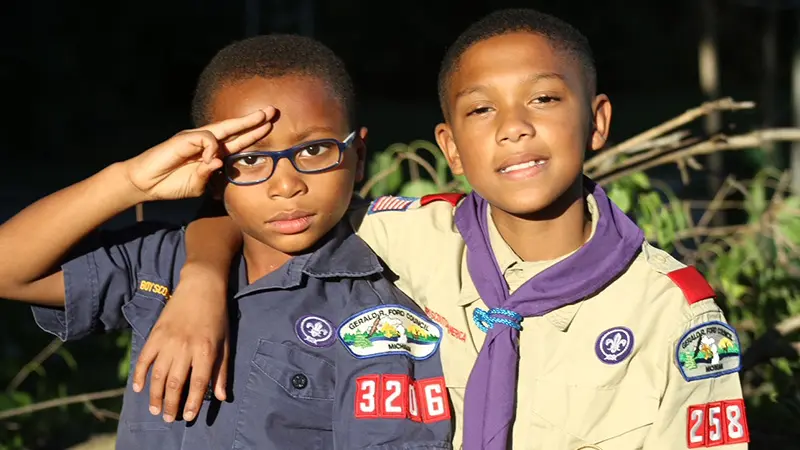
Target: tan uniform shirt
567, 397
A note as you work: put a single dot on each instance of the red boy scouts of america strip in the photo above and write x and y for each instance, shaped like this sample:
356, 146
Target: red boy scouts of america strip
717, 423
399, 397
443, 322
390, 203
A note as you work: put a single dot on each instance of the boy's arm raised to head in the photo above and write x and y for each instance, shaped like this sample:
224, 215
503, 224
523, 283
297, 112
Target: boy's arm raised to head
37, 239
199, 303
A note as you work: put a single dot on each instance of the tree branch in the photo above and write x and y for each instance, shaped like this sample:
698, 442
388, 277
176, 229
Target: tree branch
56, 402
724, 104
34, 364
720, 143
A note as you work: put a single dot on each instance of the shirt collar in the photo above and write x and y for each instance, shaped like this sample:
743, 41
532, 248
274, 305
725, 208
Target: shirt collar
342, 255
507, 259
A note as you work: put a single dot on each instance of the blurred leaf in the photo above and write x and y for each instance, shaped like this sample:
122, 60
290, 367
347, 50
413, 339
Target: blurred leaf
391, 182
621, 197
21, 398
640, 180
418, 188
67, 357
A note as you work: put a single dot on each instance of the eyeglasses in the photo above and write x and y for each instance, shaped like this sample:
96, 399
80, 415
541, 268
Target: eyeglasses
249, 168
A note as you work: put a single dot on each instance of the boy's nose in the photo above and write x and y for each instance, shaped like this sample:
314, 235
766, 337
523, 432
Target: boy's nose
286, 182
514, 126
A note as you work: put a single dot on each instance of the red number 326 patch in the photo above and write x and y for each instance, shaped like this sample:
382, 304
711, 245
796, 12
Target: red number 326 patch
400, 397
717, 423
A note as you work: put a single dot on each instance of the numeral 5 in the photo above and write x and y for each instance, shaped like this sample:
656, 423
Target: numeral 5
717, 423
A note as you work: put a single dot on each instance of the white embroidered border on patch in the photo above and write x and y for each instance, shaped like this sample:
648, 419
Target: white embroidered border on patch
390, 203
387, 330
708, 350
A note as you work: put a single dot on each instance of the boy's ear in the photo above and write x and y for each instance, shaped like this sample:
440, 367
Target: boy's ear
601, 121
444, 138
361, 153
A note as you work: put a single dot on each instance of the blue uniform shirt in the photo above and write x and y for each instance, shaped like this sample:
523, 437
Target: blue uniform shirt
328, 354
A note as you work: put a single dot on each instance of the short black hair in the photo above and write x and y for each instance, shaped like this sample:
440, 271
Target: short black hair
562, 36
273, 56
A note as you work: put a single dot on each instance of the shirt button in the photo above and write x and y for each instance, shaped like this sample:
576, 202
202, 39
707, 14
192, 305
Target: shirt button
299, 381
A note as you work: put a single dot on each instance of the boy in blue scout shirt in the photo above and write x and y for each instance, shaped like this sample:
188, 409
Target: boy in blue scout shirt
326, 353
564, 327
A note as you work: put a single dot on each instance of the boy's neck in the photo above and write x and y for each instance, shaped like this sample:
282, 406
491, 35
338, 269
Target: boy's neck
550, 234
261, 259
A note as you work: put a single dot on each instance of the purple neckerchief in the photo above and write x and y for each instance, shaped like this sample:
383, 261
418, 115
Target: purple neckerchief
491, 389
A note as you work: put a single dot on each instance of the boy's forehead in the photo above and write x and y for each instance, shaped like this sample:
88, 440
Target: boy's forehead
511, 58
301, 101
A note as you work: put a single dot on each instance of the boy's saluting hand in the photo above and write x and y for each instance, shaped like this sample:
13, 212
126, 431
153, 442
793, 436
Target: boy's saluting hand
181, 166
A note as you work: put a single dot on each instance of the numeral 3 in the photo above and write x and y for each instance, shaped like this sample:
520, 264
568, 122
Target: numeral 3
399, 397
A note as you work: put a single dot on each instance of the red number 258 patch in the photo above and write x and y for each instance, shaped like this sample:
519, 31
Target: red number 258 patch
717, 423
400, 397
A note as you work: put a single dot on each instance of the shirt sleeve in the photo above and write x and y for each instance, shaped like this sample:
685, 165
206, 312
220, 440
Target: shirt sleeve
411, 239
390, 390
102, 276
702, 404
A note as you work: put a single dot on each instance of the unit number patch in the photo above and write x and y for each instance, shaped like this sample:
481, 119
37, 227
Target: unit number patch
399, 397
716, 423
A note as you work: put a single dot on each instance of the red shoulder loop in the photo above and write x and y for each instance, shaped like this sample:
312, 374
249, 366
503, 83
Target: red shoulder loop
692, 283
452, 198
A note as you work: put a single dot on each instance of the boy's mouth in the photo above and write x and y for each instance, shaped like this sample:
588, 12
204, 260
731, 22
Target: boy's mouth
291, 222
524, 162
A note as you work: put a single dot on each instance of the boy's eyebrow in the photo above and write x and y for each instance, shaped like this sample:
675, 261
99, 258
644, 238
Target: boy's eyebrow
304, 134
534, 78
301, 135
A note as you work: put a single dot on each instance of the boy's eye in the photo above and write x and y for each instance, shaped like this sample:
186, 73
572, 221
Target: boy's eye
479, 111
314, 150
251, 160
542, 99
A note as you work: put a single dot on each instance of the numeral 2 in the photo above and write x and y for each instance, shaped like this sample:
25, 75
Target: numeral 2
717, 423
398, 397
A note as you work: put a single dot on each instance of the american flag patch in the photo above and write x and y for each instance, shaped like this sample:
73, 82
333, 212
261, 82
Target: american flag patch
390, 203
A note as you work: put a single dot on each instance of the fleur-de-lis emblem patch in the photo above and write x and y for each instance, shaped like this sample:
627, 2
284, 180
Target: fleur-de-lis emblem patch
315, 331
614, 345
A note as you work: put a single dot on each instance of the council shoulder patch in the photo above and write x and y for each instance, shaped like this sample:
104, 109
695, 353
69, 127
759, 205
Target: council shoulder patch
388, 330
390, 203
708, 350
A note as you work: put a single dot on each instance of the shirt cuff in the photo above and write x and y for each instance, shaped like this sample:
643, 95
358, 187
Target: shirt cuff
81, 304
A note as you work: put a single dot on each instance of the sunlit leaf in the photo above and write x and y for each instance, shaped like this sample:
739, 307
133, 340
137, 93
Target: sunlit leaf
418, 188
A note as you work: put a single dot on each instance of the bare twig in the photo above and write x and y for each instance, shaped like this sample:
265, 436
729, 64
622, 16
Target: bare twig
34, 364
56, 402
722, 143
716, 203
380, 176
718, 105
100, 413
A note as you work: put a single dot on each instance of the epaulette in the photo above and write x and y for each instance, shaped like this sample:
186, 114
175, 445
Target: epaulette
453, 198
692, 283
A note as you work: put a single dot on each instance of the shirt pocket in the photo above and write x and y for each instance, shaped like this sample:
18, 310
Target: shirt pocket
575, 416
287, 401
137, 425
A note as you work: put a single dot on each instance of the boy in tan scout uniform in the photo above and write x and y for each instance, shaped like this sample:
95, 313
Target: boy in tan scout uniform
564, 328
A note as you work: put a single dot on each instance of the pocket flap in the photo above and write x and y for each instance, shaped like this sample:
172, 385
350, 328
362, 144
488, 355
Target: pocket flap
142, 312
300, 374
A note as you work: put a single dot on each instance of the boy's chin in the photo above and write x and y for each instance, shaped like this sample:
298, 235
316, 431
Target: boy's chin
538, 206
